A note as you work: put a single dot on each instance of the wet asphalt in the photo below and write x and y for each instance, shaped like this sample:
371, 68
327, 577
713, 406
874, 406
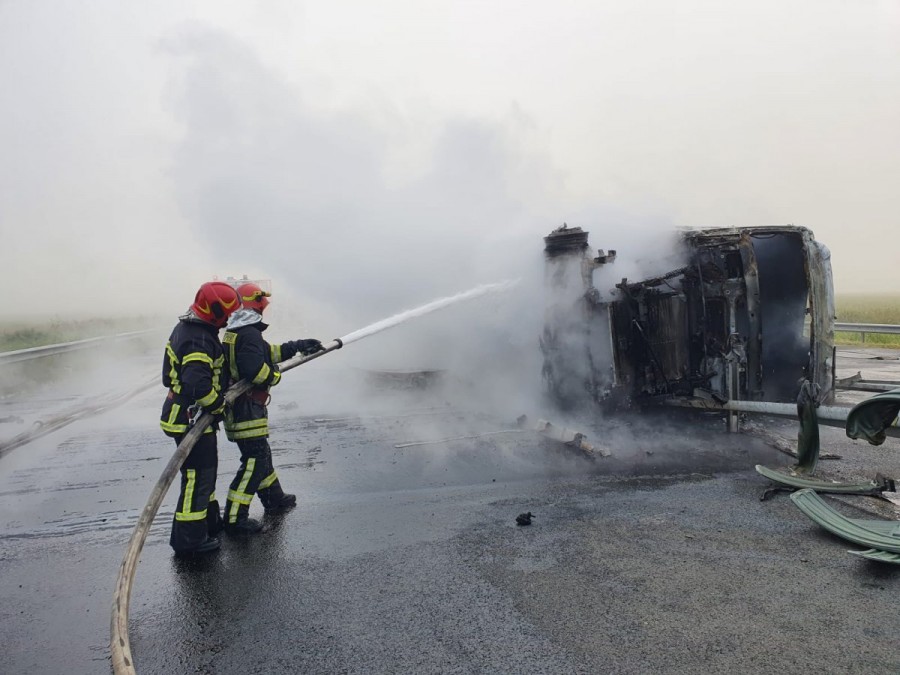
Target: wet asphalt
660, 558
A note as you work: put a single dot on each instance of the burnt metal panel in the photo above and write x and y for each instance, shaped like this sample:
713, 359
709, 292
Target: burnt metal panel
748, 316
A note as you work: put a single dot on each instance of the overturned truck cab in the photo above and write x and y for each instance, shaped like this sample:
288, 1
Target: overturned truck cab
747, 315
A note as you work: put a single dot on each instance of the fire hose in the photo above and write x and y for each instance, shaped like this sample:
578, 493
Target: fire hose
120, 648
122, 661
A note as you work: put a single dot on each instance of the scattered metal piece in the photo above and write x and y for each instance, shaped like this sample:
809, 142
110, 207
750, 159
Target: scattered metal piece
878, 556
881, 535
857, 383
891, 496
524, 519
792, 481
889, 484
874, 418
846, 382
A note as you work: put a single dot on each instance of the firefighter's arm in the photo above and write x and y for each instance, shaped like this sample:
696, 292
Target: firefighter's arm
254, 362
197, 382
282, 352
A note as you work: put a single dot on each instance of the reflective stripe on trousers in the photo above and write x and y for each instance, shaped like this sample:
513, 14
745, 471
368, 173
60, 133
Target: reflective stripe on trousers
186, 514
256, 473
239, 496
190, 522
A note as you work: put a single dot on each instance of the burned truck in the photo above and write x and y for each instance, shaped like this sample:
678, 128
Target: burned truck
746, 315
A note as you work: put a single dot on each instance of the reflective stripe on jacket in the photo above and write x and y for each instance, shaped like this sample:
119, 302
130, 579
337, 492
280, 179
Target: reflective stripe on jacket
251, 358
194, 371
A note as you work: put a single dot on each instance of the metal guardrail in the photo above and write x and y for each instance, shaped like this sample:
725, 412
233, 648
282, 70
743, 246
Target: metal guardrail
887, 328
50, 350
863, 328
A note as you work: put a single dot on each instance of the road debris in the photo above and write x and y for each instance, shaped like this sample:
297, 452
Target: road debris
858, 383
872, 418
524, 519
881, 536
808, 454
566, 436
793, 481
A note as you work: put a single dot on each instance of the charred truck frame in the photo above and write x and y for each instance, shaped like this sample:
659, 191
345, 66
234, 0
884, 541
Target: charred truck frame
748, 316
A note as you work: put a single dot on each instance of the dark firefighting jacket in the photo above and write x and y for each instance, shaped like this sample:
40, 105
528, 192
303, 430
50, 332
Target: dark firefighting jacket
193, 370
249, 357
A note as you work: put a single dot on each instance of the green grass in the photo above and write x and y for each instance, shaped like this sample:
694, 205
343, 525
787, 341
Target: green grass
27, 376
35, 334
868, 308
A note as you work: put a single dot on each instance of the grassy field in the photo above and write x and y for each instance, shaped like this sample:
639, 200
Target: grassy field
868, 309
37, 333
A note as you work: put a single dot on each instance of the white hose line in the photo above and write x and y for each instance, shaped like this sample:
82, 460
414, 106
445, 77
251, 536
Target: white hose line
119, 645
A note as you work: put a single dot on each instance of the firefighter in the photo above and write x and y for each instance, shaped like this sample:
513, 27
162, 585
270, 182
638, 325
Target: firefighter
250, 357
194, 372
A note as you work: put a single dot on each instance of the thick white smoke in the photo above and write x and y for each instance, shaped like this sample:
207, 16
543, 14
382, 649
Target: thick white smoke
315, 201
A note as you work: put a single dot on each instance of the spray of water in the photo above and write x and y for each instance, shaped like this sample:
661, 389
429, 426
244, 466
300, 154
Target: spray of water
433, 306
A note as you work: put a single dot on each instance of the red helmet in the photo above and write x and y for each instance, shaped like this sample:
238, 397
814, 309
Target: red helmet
214, 303
253, 297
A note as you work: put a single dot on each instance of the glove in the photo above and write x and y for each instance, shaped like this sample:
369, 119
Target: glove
218, 414
216, 409
307, 347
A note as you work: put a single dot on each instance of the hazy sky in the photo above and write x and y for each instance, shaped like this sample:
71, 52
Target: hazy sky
366, 156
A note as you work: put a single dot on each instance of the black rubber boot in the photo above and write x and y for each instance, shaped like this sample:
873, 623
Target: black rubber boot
213, 518
275, 500
238, 521
243, 525
211, 544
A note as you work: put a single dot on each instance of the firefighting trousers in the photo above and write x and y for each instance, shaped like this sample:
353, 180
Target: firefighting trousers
256, 475
197, 511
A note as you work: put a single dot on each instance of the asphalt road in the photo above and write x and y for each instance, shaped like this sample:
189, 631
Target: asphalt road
660, 558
